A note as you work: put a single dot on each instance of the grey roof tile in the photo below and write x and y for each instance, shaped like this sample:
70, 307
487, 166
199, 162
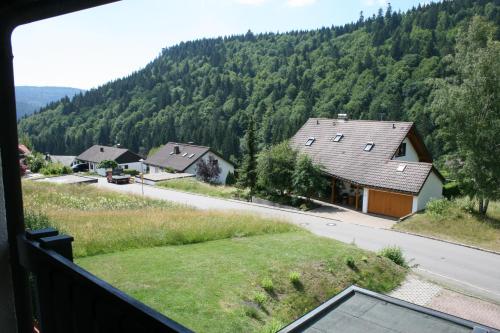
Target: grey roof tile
99, 153
163, 158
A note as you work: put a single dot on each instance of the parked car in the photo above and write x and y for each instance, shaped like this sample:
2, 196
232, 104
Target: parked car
116, 176
80, 167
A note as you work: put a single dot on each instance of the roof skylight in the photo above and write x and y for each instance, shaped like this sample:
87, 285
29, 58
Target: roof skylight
184, 155
310, 141
401, 168
171, 153
191, 156
338, 137
369, 146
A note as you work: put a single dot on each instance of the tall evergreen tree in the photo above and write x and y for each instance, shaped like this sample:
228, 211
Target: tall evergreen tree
248, 173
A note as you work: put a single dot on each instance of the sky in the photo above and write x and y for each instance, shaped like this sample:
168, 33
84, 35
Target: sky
89, 48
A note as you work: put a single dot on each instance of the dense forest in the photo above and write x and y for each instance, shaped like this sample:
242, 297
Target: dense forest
380, 67
30, 99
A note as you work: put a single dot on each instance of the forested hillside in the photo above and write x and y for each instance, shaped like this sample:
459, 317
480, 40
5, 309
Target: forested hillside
204, 91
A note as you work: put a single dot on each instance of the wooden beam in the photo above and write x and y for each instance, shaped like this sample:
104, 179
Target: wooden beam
357, 197
333, 190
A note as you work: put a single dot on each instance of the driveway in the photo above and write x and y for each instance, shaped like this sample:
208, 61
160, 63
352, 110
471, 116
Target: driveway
468, 270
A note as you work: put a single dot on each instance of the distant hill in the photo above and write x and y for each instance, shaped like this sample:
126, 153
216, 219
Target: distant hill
380, 67
30, 99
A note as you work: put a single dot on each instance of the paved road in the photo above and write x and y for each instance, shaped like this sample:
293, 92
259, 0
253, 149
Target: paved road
472, 271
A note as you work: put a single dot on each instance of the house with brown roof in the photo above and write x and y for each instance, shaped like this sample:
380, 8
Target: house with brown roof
380, 167
125, 158
183, 158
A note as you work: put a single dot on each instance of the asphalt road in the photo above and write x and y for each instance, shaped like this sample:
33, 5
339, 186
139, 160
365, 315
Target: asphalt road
465, 269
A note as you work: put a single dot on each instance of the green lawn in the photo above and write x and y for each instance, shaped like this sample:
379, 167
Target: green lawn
211, 286
458, 223
204, 269
196, 186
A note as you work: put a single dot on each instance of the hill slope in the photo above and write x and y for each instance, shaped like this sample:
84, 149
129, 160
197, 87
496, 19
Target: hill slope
30, 99
204, 90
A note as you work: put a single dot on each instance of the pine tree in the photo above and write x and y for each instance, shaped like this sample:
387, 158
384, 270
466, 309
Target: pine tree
247, 173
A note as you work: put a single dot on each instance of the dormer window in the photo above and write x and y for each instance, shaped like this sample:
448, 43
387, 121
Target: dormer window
401, 150
310, 141
369, 146
338, 137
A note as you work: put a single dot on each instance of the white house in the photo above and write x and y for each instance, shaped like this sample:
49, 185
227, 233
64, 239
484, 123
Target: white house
125, 158
380, 167
184, 158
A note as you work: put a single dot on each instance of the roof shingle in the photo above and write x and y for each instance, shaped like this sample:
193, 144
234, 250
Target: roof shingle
166, 158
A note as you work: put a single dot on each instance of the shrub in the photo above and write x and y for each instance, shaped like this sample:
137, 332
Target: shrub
351, 263
267, 284
53, 169
208, 171
438, 208
294, 278
34, 220
230, 179
35, 162
131, 172
272, 327
107, 164
260, 298
395, 254
452, 190
251, 311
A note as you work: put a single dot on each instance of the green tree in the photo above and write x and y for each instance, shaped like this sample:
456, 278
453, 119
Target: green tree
107, 164
307, 178
248, 171
275, 167
468, 111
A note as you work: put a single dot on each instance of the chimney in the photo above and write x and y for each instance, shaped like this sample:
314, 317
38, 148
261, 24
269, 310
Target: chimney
177, 150
342, 116
101, 149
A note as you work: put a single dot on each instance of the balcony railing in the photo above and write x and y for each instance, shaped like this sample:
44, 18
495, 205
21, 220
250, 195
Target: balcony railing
69, 299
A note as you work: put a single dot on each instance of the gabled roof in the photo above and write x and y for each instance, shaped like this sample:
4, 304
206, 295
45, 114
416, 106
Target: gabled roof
348, 160
165, 157
98, 153
359, 310
23, 149
63, 159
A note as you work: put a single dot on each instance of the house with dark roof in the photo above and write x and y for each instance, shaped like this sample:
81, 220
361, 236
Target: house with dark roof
183, 158
380, 167
125, 158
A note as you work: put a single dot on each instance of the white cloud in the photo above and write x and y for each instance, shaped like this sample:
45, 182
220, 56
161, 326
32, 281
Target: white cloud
379, 3
300, 3
251, 2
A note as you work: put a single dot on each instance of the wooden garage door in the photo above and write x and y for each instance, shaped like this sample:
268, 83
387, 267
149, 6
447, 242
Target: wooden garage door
389, 203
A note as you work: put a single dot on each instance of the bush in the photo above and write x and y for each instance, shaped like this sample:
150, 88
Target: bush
131, 172
272, 327
53, 169
294, 278
267, 284
35, 162
260, 298
230, 179
395, 254
438, 208
107, 164
452, 190
351, 263
34, 220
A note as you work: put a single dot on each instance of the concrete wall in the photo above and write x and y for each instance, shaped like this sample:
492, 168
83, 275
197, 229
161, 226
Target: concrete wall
7, 311
411, 154
432, 189
225, 167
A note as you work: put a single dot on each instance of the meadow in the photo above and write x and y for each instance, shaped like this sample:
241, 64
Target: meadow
211, 271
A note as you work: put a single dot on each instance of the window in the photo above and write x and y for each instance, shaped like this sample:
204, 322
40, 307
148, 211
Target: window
310, 141
338, 137
401, 168
184, 155
171, 153
125, 166
191, 156
369, 146
401, 150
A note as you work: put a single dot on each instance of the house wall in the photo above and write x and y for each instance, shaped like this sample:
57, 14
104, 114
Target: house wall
365, 200
411, 154
225, 167
432, 189
132, 166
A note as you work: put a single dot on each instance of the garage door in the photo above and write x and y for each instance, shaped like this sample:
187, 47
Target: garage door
389, 203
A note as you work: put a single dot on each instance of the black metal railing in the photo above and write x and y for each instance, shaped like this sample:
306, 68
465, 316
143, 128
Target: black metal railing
69, 299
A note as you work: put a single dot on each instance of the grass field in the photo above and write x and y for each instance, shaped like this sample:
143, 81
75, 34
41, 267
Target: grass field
210, 271
457, 222
195, 186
